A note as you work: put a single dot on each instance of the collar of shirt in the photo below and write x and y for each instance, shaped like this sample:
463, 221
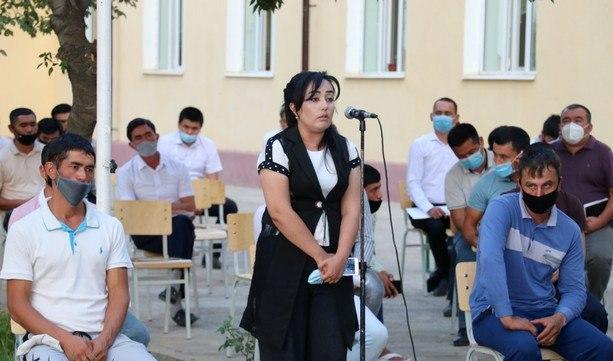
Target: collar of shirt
179, 142
140, 163
37, 148
553, 215
432, 137
52, 223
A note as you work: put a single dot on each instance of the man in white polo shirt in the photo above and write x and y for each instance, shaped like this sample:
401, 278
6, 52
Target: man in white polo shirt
151, 175
66, 266
199, 154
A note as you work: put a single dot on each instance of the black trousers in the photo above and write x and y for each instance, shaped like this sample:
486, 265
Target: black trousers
314, 332
436, 235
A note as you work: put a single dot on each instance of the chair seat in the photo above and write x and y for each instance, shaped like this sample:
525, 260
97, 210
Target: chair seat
16, 328
161, 263
244, 276
547, 354
207, 234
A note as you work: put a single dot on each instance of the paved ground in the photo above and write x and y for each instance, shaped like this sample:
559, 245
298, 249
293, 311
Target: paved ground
431, 332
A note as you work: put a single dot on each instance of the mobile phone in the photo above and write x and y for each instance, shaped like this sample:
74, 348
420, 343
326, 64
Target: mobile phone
398, 285
351, 268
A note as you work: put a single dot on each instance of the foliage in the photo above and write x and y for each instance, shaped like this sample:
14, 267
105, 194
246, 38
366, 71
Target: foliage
266, 5
241, 342
6, 337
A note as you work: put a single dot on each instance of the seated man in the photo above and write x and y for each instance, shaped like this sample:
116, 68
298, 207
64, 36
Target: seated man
150, 175
523, 240
66, 266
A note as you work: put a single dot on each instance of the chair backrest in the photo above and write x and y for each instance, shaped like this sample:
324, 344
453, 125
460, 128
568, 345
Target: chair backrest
405, 200
208, 192
465, 277
252, 249
16, 328
146, 218
240, 231
201, 196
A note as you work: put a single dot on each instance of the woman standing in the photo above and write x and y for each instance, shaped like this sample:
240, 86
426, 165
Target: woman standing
311, 187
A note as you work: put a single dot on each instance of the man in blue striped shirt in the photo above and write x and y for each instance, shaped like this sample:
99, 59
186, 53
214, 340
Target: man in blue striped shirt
523, 239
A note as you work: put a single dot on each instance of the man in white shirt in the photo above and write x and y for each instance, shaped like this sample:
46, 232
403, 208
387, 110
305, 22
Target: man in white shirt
151, 175
430, 158
66, 266
199, 154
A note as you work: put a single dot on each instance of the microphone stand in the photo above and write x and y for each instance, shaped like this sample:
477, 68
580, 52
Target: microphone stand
362, 261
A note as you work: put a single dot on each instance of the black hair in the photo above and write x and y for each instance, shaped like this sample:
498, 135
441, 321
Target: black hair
578, 106
60, 108
371, 175
462, 132
57, 150
551, 126
538, 157
49, 126
449, 100
505, 134
295, 91
17, 112
137, 122
192, 114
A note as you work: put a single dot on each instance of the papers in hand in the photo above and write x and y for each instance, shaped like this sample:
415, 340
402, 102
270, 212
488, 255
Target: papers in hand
417, 213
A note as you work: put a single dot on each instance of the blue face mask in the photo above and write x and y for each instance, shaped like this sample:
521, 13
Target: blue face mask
442, 123
473, 161
188, 138
504, 170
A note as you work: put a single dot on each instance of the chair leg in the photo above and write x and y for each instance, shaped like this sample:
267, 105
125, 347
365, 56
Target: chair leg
232, 300
167, 309
135, 292
194, 281
209, 264
404, 251
224, 265
188, 314
149, 311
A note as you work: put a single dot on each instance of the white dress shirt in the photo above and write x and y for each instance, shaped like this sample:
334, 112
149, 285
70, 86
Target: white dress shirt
429, 161
200, 158
169, 181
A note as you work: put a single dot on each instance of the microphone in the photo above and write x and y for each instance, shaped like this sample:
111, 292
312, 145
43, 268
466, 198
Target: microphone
354, 113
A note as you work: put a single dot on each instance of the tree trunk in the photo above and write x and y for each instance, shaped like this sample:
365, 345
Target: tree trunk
68, 23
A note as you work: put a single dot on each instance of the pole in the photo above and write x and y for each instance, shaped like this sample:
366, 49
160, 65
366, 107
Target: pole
362, 261
306, 13
104, 106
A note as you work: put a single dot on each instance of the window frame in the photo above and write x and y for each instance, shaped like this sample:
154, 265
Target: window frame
151, 40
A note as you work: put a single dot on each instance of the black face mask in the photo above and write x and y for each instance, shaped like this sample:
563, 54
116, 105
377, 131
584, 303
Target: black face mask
542, 204
374, 205
26, 139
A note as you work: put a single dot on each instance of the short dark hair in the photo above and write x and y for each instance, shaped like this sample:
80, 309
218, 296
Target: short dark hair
137, 122
60, 108
449, 100
371, 175
578, 106
538, 157
462, 132
193, 114
505, 134
57, 150
551, 126
49, 126
17, 112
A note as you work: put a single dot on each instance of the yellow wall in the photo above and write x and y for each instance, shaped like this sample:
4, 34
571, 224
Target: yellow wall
25, 86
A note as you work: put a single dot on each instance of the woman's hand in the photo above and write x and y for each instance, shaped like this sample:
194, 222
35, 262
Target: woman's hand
332, 268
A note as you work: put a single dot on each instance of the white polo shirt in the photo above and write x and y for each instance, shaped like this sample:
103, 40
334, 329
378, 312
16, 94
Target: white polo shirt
19, 175
200, 158
169, 181
67, 269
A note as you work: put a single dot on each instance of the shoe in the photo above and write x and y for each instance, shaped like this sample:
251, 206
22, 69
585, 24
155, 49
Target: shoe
179, 318
441, 288
432, 281
203, 261
174, 296
447, 311
462, 339
216, 262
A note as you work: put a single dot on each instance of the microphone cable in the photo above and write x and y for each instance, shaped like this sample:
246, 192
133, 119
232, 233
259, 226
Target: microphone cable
389, 211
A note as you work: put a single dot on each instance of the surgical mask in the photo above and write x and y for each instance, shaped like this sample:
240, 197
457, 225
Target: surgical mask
147, 148
473, 161
26, 139
188, 138
73, 191
504, 170
374, 205
542, 204
572, 133
442, 123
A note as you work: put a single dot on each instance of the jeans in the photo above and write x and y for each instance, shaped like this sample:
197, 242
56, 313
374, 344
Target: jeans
375, 336
135, 329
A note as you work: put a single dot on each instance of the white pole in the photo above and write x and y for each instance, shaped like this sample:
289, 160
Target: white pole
104, 84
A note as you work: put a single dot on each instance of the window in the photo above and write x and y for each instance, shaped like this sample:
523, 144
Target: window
249, 39
375, 40
502, 41
163, 35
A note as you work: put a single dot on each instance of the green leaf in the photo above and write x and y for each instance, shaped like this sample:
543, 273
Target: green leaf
2, 52
50, 71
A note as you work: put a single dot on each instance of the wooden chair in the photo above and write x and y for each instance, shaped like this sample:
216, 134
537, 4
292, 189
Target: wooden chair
18, 333
465, 277
154, 218
405, 203
241, 244
209, 192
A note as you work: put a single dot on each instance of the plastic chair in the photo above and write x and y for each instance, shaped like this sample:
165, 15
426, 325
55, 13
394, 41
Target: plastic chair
465, 277
241, 244
209, 192
405, 202
155, 218
18, 332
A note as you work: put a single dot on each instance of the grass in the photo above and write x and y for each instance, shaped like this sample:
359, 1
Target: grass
6, 337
